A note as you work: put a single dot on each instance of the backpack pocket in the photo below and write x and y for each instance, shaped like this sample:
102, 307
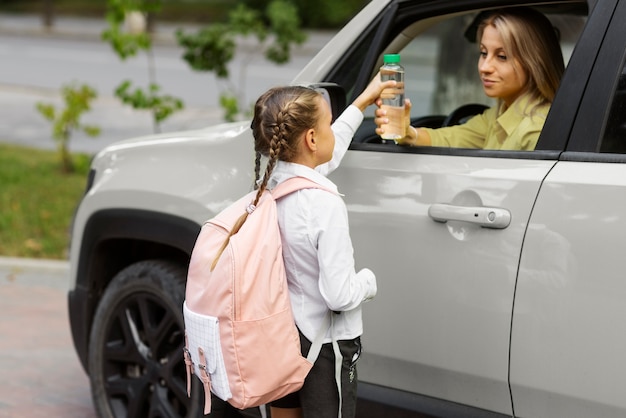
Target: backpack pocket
269, 358
203, 335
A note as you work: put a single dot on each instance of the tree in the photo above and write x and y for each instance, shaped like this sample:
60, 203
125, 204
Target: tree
65, 121
128, 34
213, 47
48, 14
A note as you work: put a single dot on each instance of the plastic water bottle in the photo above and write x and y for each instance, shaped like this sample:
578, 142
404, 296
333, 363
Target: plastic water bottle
393, 98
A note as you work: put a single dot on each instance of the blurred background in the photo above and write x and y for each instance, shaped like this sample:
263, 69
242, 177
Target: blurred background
77, 75
329, 14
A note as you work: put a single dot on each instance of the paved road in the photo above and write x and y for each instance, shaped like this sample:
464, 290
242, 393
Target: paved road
41, 374
37, 62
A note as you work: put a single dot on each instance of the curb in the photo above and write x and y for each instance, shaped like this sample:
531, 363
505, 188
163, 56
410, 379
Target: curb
34, 264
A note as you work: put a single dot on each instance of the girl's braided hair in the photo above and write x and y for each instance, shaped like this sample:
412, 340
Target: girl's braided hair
281, 116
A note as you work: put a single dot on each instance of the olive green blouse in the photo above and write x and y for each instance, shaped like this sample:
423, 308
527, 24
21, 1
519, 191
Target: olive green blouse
515, 128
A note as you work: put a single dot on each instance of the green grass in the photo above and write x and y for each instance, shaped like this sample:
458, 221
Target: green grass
37, 201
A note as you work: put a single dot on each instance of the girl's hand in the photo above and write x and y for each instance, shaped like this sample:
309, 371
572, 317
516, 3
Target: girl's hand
372, 92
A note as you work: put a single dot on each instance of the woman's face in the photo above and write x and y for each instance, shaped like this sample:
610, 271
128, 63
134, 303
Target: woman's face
502, 75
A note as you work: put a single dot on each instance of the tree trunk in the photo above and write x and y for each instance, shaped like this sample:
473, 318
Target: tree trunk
48, 14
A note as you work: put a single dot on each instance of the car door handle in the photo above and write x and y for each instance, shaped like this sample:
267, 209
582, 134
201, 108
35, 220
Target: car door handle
496, 218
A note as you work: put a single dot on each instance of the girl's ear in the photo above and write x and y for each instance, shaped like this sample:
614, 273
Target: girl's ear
309, 140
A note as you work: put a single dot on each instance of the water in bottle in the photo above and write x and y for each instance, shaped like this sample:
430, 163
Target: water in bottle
393, 98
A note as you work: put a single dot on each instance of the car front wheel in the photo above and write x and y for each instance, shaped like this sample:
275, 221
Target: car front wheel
136, 364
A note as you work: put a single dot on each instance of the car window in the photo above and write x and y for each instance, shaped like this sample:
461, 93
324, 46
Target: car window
614, 139
440, 64
440, 67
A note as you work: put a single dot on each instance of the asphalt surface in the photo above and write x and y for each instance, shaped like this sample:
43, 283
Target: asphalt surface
40, 373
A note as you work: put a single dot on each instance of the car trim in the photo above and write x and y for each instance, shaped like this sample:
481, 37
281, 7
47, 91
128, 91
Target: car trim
382, 32
420, 403
593, 157
587, 131
562, 118
466, 152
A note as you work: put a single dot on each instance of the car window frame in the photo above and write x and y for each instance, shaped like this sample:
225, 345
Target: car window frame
615, 126
377, 30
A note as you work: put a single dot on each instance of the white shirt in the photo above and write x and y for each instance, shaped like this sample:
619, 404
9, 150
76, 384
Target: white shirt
317, 248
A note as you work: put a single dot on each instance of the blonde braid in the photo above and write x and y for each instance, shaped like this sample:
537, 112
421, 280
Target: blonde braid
275, 146
257, 169
276, 135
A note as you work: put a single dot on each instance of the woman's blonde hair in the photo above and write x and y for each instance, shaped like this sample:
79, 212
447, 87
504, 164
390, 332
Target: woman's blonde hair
530, 38
281, 116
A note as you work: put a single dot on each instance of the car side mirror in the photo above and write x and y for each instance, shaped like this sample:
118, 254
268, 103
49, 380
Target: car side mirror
334, 94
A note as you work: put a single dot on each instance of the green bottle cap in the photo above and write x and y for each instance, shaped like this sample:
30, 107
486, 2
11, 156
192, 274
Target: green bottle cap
391, 58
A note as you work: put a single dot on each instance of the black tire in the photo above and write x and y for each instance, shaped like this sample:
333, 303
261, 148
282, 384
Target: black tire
136, 365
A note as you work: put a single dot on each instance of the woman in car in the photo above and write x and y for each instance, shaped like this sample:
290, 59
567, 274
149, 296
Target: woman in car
521, 65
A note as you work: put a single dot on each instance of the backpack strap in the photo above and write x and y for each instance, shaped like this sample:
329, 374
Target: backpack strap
296, 183
206, 381
338, 362
316, 347
188, 364
283, 189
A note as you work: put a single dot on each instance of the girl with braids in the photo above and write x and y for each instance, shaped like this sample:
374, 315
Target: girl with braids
292, 128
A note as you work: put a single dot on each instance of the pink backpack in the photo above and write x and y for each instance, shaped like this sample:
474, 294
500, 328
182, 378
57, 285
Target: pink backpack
241, 339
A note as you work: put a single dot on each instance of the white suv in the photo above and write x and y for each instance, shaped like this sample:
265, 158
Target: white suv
470, 319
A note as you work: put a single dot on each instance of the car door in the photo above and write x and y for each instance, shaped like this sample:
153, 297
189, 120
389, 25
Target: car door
440, 323
443, 230
568, 344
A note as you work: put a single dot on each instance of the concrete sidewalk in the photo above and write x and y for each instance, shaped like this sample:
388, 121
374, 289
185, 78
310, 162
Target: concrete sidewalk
41, 374
91, 29
34, 264
32, 25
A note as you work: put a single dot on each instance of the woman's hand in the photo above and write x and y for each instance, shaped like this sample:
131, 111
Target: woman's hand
413, 136
380, 119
